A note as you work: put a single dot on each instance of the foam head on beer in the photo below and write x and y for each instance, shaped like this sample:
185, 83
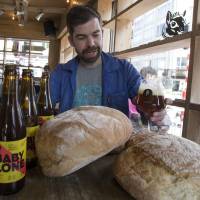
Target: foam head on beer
151, 87
150, 97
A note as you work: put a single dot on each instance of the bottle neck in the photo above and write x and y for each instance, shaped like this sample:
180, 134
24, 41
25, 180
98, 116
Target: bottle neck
44, 86
27, 101
10, 88
44, 98
27, 87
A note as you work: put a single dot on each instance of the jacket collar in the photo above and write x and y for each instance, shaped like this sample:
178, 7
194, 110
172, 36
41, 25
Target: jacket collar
108, 61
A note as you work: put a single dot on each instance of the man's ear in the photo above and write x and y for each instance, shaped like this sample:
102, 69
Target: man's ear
71, 40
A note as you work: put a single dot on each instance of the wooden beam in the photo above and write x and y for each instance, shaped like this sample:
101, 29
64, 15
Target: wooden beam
52, 10
32, 30
48, 10
7, 7
179, 41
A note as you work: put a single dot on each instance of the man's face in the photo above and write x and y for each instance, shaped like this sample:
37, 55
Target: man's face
87, 40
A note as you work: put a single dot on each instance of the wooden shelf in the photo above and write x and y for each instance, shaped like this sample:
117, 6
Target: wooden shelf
179, 103
106, 23
139, 8
124, 4
121, 13
136, 9
110, 25
129, 8
179, 41
194, 106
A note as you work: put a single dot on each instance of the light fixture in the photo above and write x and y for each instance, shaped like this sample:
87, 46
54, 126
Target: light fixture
21, 20
20, 10
74, 2
39, 16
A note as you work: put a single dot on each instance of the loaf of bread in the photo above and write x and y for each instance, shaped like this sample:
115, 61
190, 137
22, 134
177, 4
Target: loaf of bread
160, 167
79, 136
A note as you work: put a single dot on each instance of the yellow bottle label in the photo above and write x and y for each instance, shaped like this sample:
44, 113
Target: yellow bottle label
43, 119
12, 160
31, 132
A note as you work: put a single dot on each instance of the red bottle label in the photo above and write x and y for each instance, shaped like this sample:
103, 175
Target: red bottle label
12, 160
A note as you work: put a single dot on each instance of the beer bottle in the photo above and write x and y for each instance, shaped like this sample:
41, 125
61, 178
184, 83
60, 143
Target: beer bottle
45, 109
12, 136
29, 110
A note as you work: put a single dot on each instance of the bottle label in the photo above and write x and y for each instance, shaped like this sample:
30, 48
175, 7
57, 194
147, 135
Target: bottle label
43, 119
12, 160
31, 132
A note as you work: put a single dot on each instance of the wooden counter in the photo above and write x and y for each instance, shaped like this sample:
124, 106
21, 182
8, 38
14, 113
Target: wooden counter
93, 182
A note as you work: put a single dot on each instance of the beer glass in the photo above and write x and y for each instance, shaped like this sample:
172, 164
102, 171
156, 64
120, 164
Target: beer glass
151, 99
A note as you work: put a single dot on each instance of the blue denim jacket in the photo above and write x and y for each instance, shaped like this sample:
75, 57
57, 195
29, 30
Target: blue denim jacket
120, 81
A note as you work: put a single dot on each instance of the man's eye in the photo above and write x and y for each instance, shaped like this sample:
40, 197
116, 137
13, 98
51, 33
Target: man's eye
96, 35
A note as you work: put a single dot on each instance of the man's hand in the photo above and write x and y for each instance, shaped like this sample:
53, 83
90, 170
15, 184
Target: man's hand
161, 119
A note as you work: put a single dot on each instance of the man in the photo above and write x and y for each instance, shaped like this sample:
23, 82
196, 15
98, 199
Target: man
93, 77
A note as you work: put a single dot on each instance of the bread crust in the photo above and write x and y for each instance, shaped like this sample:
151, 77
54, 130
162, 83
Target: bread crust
160, 167
79, 136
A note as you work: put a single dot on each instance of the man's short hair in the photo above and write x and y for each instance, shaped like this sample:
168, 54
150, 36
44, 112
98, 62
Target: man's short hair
78, 15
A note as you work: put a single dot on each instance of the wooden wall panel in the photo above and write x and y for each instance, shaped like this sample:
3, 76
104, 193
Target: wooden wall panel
105, 9
195, 93
193, 131
123, 34
54, 53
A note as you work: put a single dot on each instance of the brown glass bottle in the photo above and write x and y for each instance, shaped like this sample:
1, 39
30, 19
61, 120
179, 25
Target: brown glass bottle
30, 113
12, 136
45, 109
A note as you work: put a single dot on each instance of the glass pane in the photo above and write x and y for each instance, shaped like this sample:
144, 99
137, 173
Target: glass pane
176, 115
1, 71
21, 69
149, 26
1, 57
17, 45
17, 58
40, 47
1, 44
38, 60
37, 71
170, 67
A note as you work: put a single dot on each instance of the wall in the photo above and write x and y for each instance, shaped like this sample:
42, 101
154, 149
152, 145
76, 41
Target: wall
31, 30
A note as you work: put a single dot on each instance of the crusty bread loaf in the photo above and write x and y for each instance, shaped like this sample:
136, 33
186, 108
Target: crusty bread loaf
79, 136
160, 167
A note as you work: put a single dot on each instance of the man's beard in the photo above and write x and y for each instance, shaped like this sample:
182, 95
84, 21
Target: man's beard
90, 59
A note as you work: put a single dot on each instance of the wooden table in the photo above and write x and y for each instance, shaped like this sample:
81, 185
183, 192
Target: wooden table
93, 182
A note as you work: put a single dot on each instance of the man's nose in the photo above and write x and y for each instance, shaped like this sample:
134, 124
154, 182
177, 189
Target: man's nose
90, 41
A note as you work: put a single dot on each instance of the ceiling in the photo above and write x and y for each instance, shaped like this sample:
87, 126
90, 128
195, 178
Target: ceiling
53, 9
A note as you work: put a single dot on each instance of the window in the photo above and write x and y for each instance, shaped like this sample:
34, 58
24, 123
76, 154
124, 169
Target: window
25, 53
148, 27
171, 70
171, 66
